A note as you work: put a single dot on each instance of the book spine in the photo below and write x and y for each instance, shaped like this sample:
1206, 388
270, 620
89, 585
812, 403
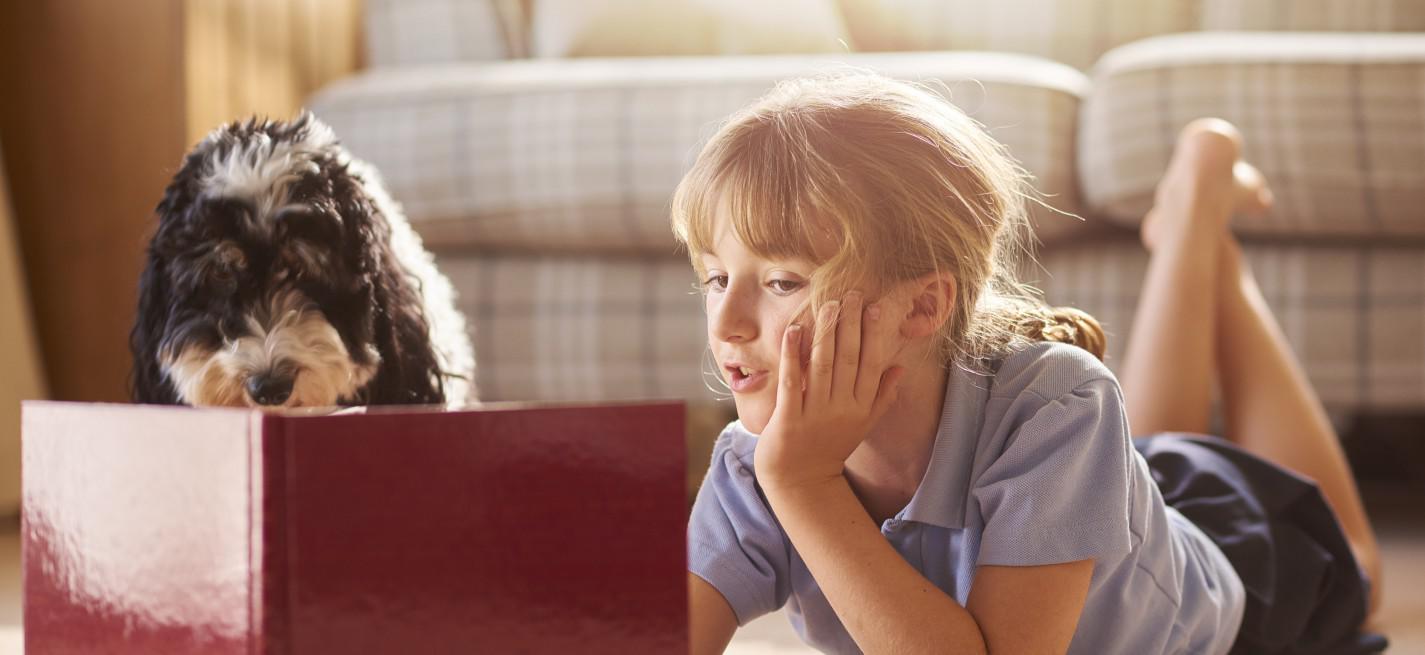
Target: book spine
272, 575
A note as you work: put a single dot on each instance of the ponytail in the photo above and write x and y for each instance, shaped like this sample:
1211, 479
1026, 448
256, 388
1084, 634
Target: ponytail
1065, 325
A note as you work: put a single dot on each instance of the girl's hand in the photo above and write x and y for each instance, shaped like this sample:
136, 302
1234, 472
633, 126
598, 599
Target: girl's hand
822, 415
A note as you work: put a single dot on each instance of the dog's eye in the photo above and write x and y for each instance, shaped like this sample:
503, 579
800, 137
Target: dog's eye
225, 271
215, 283
223, 281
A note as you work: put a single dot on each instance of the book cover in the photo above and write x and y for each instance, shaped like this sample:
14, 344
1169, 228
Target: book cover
499, 529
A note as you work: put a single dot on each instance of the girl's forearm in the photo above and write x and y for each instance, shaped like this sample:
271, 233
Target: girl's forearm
886, 605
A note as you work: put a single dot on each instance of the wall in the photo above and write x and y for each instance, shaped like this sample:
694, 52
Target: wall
21, 378
92, 95
263, 57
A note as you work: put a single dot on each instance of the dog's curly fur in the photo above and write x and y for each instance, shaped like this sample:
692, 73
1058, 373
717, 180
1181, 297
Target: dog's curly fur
281, 273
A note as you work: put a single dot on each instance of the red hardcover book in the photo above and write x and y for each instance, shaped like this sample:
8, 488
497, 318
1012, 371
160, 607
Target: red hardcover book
503, 530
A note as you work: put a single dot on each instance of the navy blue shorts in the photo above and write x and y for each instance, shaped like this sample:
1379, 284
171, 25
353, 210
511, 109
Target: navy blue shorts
1305, 591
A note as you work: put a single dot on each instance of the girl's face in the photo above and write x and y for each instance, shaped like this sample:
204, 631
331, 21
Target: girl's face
750, 301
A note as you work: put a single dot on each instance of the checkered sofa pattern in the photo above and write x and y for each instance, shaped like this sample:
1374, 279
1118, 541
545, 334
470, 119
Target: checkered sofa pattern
543, 185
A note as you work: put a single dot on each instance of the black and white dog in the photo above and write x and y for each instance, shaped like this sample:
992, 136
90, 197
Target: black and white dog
283, 275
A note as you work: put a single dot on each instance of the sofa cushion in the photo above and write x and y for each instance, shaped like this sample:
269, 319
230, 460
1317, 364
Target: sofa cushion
608, 28
1074, 32
1333, 120
1353, 312
1315, 15
413, 32
584, 154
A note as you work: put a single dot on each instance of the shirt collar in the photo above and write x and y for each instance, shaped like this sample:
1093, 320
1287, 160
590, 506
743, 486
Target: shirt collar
940, 499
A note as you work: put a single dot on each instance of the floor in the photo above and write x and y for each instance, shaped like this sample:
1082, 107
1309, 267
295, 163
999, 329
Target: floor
1402, 617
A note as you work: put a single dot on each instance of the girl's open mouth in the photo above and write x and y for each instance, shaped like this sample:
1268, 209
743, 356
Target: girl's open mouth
743, 379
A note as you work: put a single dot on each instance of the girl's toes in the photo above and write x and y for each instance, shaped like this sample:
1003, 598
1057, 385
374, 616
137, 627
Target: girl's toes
1209, 145
1254, 197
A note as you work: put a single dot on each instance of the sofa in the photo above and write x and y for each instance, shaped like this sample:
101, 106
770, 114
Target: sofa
537, 160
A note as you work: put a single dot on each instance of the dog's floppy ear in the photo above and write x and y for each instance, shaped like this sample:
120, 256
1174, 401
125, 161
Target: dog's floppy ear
147, 381
148, 384
409, 371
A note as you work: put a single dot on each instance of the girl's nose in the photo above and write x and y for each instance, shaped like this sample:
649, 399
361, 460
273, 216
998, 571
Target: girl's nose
733, 318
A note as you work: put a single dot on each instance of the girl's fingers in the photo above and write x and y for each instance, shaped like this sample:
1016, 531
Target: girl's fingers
789, 372
877, 333
823, 353
848, 349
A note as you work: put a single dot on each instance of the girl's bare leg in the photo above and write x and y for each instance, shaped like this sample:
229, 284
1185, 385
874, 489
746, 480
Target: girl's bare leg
1271, 410
1269, 407
1169, 367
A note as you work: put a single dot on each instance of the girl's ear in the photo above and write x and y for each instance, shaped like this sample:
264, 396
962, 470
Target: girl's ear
932, 297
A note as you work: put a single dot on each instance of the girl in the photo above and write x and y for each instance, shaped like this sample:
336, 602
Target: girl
919, 467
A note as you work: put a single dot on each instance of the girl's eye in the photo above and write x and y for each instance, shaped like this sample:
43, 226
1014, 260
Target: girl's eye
717, 282
785, 287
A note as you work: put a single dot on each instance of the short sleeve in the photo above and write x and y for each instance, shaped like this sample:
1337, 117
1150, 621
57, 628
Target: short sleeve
1060, 489
733, 540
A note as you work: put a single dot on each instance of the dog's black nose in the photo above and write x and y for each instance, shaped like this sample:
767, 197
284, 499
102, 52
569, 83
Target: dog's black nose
269, 389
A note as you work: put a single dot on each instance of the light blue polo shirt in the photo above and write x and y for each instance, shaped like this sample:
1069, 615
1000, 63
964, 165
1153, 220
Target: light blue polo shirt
1031, 465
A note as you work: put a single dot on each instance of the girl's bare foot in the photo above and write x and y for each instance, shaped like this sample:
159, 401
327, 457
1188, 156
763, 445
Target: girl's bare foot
1206, 181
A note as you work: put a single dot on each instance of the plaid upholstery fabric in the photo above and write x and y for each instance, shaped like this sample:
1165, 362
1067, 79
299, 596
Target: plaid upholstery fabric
1315, 15
580, 328
1074, 32
1354, 313
585, 154
415, 32
1335, 122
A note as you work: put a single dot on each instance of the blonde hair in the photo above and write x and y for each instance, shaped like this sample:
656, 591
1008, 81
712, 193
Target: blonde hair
901, 182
